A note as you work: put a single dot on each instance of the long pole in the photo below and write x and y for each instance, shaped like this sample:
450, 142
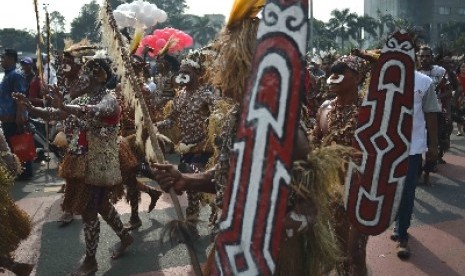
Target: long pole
311, 41
49, 76
39, 43
112, 34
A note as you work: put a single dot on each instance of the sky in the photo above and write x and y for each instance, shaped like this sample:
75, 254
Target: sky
20, 13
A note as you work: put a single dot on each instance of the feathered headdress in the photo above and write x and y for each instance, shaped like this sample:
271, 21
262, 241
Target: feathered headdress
235, 47
79, 50
131, 83
243, 9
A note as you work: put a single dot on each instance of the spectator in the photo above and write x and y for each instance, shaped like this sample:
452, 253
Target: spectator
27, 70
443, 92
36, 89
12, 117
425, 108
460, 99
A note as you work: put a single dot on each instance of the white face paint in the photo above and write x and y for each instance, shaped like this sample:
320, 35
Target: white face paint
66, 68
182, 79
339, 79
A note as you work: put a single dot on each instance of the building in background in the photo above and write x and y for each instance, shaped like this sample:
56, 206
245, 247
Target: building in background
432, 15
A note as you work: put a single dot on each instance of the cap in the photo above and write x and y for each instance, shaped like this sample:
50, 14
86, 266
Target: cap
353, 62
27, 60
11, 53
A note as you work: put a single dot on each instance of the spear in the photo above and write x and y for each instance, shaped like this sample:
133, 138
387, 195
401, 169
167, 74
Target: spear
49, 75
118, 50
39, 43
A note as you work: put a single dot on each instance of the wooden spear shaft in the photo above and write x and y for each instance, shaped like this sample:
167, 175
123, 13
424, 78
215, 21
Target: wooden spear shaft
136, 84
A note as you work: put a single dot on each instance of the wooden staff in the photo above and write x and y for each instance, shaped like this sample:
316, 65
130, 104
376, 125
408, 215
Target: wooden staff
49, 75
117, 49
39, 43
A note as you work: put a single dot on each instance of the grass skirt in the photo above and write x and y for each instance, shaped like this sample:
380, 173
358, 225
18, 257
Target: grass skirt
15, 224
77, 193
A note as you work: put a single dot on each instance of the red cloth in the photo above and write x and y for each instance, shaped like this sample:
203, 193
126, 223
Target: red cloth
34, 90
82, 140
114, 119
461, 80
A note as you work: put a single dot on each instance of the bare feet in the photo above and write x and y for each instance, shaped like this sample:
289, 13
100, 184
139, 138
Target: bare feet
87, 267
126, 241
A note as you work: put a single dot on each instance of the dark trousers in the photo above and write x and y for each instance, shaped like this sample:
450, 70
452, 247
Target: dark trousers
407, 201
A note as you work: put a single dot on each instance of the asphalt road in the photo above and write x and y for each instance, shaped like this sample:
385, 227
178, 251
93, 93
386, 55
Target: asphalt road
438, 239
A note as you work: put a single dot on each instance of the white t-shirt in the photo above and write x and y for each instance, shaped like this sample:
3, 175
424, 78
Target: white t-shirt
53, 75
424, 101
436, 73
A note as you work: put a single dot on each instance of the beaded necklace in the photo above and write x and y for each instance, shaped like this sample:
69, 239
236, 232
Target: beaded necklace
342, 123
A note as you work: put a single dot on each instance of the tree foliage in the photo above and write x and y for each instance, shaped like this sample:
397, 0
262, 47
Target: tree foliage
364, 26
342, 23
452, 37
344, 27
323, 38
86, 24
20, 40
204, 29
57, 22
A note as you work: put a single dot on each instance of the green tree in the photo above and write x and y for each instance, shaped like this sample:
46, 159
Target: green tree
453, 36
86, 24
362, 26
57, 30
323, 37
57, 22
384, 20
341, 23
172, 7
20, 40
204, 29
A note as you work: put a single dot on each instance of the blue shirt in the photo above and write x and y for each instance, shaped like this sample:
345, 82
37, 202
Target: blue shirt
13, 81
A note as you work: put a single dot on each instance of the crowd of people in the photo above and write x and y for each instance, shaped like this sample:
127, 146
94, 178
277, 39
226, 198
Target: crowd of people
195, 100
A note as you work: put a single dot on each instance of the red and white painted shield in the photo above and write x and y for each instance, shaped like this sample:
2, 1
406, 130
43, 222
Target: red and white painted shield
258, 186
374, 184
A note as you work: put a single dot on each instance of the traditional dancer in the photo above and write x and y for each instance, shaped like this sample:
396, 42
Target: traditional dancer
306, 219
336, 124
68, 79
132, 154
327, 59
15, 224
190, 112
91, 167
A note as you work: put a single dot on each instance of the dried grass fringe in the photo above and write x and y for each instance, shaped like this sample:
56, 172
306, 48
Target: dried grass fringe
317, 180
231, 68
73, 166
78, 195
15, 224
216, 125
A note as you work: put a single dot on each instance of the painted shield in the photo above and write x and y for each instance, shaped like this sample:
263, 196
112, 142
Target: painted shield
258, 186
374, 182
